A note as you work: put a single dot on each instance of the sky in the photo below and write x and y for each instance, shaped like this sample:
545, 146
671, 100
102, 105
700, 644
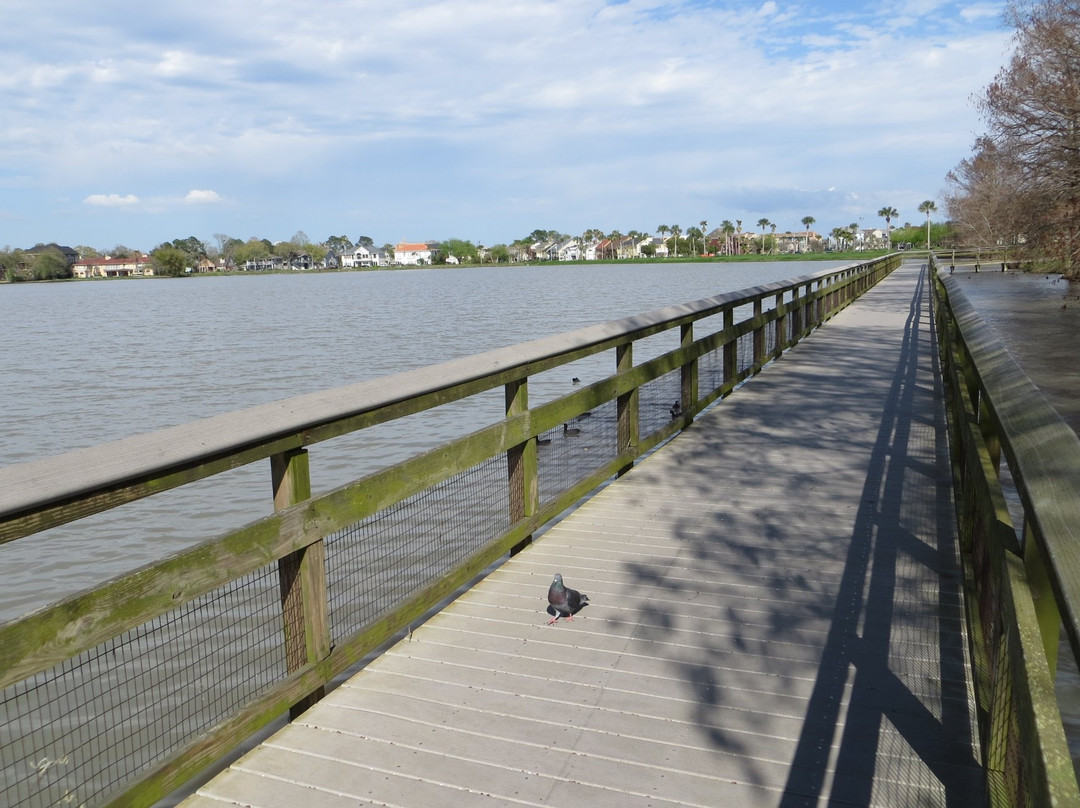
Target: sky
134, 123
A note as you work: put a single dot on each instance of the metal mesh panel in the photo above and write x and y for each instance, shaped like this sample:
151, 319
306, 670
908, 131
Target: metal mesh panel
1004, 744
73, 734
710, 371
569, 453
656, 400
770, 337
745, 352
378, 563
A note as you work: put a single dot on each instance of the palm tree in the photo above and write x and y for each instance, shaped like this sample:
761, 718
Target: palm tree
887, 213
704, 225
729, 229
807, 221
927, 207
676, 231
763, 223
694, 233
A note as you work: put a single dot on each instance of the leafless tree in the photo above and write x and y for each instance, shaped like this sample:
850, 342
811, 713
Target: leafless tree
1030, 155
983, 199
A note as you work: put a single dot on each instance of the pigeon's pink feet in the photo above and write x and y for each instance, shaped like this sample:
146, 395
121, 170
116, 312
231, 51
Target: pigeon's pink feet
553, 620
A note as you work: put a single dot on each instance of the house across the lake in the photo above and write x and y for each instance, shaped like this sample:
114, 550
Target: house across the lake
413, 253
137, 266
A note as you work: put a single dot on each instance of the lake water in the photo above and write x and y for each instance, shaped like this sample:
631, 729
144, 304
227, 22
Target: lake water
91, 362
1038, 319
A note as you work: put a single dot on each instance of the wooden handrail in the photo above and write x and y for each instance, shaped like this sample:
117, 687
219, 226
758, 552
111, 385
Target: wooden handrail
1023, 580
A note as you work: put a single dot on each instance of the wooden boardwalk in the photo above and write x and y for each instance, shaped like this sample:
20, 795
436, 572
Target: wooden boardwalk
775, 620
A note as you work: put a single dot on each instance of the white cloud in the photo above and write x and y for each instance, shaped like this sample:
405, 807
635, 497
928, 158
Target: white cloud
633, 103
112, 200
981, 11
174, 63
197, 197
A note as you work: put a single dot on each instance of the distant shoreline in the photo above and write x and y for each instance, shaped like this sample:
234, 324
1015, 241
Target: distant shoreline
865, 255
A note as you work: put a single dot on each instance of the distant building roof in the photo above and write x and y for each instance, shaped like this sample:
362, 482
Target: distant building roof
70, 254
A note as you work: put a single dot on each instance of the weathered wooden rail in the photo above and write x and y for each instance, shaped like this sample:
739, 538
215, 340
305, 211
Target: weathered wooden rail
118, 695
992, 260
1023, 580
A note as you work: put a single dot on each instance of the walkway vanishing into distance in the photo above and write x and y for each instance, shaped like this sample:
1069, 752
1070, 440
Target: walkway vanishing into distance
775, 620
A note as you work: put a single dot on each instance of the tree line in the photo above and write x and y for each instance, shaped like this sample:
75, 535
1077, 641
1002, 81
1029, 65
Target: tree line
1021, 184
175, 258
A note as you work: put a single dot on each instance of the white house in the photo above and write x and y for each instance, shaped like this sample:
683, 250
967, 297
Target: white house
363, 256
412, 253
569, 251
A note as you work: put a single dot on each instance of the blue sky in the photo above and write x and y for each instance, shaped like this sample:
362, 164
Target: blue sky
136, 123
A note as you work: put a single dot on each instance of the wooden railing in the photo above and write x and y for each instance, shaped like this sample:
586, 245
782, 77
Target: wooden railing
1023, 578
998, 259
222, 662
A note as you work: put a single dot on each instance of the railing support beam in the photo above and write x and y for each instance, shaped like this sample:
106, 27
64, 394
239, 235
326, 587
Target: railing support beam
626, 405
302, 576
689, 374
521, 462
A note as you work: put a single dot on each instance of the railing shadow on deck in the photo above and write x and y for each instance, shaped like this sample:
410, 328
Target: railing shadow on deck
867, 608
1013, 586
870, 612
118, 695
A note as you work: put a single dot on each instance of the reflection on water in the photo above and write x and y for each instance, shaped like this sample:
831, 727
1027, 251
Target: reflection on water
1037, 318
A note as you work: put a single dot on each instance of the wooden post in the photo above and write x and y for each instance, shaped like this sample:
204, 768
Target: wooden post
990, 430
302, 576
759, 337
688, 394
731, 350
521, 463
626, 406
780, 326
1046, 609
796, 315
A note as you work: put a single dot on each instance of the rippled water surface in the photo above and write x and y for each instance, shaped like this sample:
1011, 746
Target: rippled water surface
91, 362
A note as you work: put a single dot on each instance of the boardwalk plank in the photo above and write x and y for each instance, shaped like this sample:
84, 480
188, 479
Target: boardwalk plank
775, 620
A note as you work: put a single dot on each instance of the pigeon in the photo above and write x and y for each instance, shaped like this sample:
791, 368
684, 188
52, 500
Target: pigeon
565, 602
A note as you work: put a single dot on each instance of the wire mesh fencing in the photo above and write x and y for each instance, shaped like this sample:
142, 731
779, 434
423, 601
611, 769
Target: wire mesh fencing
378, 563
569, 453
74, 734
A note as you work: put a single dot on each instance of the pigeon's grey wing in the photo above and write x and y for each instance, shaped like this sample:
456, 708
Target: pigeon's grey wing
575, 599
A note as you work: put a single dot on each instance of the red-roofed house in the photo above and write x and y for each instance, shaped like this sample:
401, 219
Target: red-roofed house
413, 254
